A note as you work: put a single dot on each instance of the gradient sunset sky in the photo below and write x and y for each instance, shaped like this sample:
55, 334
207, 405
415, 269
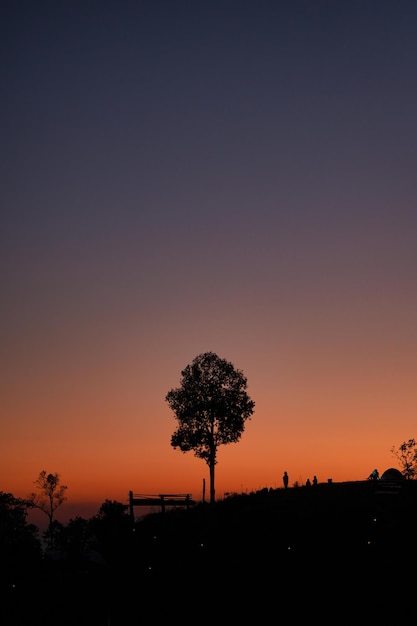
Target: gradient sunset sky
181, 177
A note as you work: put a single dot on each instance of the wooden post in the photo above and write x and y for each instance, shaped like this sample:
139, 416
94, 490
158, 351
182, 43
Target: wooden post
131, 506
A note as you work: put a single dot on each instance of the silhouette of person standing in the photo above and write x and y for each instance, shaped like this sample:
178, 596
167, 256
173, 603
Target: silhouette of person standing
285, 480
315, 480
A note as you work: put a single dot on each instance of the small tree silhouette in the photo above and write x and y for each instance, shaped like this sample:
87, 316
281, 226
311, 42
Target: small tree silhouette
406, 454
51, 496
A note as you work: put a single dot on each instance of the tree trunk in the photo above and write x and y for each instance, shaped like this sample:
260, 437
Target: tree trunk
212, 490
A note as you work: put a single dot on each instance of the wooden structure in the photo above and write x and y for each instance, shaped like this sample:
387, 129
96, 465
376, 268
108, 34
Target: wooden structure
162, 499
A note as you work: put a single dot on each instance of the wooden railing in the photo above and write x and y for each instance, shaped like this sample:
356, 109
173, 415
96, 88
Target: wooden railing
162, 499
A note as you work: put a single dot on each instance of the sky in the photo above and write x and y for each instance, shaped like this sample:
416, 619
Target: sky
180, 177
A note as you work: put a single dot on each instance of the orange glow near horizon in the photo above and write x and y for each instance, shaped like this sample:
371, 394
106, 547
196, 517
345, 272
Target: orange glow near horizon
101, 457
97, 414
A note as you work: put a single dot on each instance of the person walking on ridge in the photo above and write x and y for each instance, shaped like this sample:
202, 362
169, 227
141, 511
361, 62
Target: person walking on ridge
285, 480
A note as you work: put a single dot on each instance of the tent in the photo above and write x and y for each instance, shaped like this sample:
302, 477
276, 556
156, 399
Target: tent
392, 475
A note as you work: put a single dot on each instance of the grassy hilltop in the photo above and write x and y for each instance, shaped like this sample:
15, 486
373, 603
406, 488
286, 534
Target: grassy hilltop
343, 547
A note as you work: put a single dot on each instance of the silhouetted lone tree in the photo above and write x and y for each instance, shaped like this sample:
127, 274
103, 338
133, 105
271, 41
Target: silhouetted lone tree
407, 458
211, 408
52, 495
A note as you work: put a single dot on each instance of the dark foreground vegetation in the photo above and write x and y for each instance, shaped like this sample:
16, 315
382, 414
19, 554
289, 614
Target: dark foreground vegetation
336, 553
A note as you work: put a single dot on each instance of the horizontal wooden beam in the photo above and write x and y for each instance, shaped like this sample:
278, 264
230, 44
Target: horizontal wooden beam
162, 500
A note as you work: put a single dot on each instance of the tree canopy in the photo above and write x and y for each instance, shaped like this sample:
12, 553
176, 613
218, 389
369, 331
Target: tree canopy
211, 407
51, 496
406, 454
